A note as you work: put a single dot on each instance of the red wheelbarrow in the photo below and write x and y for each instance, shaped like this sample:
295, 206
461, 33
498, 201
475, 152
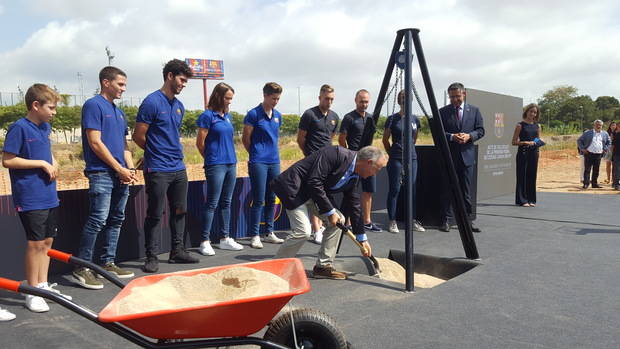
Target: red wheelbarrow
221, 324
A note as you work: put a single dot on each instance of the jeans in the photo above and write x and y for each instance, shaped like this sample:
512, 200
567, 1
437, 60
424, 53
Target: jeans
260, 176
160, 185
107, 197
220, 186
395, 177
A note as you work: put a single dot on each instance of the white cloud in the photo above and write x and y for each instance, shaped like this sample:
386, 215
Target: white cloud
520, 49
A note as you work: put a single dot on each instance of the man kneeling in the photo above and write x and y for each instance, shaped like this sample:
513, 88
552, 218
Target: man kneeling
305, 188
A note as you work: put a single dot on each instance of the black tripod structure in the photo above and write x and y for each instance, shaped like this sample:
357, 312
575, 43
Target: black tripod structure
407, 37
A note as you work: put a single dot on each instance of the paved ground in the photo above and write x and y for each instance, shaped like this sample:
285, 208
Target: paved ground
548, 279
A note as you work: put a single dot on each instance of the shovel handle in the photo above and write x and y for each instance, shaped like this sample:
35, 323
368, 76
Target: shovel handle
348, 233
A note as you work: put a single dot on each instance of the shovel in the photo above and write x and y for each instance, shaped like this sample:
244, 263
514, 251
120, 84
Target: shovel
362, 248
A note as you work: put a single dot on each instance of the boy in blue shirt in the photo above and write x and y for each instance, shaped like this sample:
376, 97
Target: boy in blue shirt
157, 131
28, 156
109, 168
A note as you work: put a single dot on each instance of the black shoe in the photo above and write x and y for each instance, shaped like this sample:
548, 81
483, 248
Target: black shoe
475, 229
595, 185
151, 265
585, 186
444, 227
181, 256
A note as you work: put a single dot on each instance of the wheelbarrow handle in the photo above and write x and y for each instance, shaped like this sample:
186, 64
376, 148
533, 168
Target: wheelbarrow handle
9, 285
71, 259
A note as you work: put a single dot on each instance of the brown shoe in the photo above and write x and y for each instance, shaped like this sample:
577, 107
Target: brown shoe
328, 272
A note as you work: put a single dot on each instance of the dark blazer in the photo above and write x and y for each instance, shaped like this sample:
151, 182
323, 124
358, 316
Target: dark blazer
311, 178
472, 123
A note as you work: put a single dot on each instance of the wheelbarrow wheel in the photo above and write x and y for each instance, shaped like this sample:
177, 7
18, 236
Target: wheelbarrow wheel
314, 330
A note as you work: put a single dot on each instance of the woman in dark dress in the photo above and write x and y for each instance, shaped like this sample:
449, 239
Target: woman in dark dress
527, 138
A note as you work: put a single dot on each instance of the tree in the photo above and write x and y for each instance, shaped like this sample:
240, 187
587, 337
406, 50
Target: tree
552, 101
606, 103
579, 110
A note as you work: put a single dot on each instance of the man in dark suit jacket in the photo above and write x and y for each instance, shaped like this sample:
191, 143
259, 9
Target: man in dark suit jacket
304, 189
463, 126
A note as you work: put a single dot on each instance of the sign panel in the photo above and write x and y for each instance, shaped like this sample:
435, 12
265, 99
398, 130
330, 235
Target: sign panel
209, 69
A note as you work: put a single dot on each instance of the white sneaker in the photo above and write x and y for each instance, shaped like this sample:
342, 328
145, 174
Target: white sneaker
256, 242
6, 315
206, 249
393, 227
273, 238
318, 236
51, 288
230, 244
417, 226
36, 304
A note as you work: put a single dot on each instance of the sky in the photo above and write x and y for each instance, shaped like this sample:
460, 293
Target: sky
518, 48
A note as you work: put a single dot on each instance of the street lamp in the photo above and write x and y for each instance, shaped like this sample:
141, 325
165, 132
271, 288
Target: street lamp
581, 110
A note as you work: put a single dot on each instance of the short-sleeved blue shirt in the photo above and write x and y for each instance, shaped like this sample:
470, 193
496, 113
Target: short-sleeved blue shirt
102, 115
31, 188
164, 151
219, 144
264, 140
395, 124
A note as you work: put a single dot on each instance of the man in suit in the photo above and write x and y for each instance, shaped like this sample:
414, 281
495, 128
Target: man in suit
593, 144
304, 189
463, 126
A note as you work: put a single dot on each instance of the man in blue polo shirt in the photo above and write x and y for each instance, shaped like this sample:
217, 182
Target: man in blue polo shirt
157, 131
260, 138
109, 168
351, 130
317, 128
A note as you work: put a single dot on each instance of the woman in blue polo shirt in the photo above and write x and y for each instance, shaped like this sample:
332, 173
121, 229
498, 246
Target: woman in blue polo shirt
260, 139
394, 130
216, 145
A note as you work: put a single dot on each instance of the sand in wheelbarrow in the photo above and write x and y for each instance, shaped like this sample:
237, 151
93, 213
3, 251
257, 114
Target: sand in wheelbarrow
176, 292
392, 271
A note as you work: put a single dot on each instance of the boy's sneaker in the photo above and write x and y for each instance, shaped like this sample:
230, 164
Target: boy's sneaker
151, 264
50, 287
120, 273
6, 315
372, 227
328, 272
179, 255
36, 304
87, 279
393, 227
273, 238
206, 249
417, 226
255, 242
230, 244
318, 236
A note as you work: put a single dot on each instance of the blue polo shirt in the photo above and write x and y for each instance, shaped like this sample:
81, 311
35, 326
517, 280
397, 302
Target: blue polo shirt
164, 151
264, 140
394, 122
219, 144
102, 115
31, 188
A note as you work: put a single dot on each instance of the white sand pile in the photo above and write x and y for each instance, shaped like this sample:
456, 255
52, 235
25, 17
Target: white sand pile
201, 289
392, 271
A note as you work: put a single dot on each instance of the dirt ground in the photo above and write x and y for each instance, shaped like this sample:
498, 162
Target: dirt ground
558, 171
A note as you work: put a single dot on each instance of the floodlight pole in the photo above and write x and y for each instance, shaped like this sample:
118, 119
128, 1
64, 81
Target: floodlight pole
204, 92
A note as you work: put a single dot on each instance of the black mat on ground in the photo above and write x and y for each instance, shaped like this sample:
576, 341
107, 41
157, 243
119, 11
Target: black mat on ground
548, 279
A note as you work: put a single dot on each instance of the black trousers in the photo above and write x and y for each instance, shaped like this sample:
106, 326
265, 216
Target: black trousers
465, 175
527, 169
160, 185
592, 162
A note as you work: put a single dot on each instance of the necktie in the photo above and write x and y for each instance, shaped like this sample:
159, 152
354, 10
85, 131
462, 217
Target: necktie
459, 116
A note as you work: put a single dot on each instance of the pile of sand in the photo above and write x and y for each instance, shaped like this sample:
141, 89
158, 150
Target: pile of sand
178, 291
392, 271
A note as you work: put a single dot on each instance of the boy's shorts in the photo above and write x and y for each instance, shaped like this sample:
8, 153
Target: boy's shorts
369, 184
40, 224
